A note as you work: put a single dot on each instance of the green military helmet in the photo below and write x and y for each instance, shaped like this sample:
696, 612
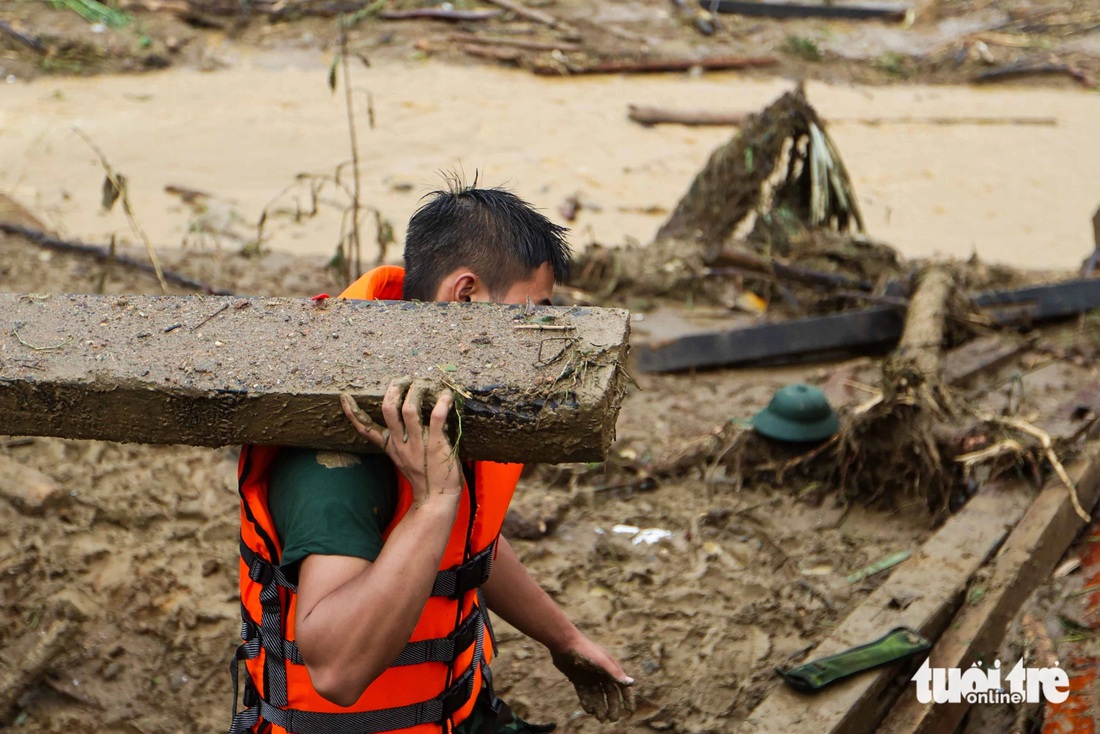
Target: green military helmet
797, 413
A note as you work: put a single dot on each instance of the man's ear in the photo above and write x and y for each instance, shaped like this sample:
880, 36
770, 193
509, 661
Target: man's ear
466, 285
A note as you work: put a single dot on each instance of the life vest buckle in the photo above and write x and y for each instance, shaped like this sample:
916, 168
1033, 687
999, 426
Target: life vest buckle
469, 577
457, 695
251, 696
261, 571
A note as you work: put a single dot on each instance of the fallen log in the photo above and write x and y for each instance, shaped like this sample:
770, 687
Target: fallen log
895, 13
496, 53
523, 43
1026, 560
653, 66
647, 115
741, 259
919, 356
543, 386
890, 452
922, 594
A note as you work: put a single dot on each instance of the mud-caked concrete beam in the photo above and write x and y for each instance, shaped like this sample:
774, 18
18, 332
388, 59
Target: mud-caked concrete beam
536, 384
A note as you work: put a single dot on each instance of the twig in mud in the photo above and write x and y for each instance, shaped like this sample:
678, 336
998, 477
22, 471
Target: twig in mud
26, 39
15, 442
543, 327
439, 14
115, 187
506, 55
1026, 68
525, 12
786, 561
105, 271
514, 42
24, 342
103, 253
1047, 445
202, 323
818, 594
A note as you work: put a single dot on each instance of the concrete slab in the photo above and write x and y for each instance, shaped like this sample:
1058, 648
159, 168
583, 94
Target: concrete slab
543, 386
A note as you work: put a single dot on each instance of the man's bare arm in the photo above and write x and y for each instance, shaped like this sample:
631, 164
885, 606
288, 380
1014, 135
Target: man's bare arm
353, 617
602, 686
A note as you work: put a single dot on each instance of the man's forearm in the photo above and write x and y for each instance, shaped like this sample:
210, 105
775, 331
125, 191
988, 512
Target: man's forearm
354, 632
512, 594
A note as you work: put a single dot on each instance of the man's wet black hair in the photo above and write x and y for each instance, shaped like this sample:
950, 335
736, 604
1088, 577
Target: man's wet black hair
493, 232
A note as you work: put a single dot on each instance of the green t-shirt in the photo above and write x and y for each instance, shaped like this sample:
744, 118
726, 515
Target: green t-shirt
330, 503
338, 504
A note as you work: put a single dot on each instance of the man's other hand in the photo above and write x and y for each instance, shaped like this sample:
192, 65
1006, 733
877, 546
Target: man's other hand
423, 455
604, 690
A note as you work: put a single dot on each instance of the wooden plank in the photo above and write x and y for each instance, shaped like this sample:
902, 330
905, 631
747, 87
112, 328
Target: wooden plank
854, 331
1028, 557
215, 371
1042, 302
789, 340
921, 594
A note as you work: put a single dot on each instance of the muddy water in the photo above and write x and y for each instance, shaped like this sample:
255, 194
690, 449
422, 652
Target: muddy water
1017, 194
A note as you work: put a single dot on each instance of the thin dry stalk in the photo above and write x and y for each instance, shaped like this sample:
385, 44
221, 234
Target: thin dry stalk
118, 183
354, 142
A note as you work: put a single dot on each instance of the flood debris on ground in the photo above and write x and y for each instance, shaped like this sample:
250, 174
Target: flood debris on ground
736, 553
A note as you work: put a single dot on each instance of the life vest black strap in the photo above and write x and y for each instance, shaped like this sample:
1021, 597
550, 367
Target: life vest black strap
268, 635
433, 711
263, 571
443, 649
458, 580
453, 582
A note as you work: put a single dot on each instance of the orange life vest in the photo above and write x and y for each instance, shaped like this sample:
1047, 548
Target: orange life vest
435, 681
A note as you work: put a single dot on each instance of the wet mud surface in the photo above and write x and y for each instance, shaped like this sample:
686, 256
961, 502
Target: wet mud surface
142, 542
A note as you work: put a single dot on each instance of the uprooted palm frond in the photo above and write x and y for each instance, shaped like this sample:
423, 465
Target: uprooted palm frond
776, 191
781, 171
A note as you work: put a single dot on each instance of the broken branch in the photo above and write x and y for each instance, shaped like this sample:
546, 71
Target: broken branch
652, 66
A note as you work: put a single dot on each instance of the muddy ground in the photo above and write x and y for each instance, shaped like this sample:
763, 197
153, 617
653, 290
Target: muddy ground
142, 542
138, 544
946, 40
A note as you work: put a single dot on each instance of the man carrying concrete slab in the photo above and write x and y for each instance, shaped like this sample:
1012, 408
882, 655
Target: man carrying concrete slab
366, 578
